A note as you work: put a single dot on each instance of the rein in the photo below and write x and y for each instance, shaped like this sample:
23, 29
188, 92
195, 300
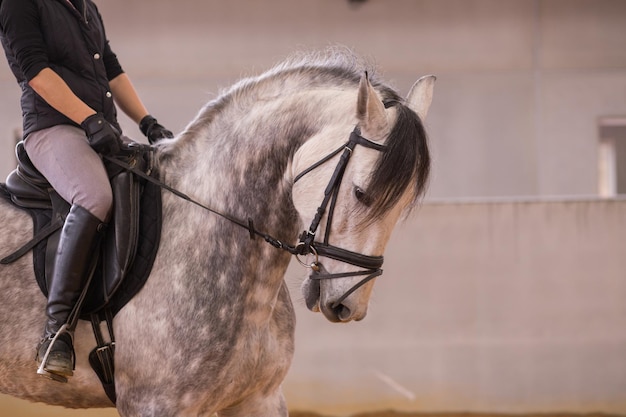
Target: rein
249, 225
307, 245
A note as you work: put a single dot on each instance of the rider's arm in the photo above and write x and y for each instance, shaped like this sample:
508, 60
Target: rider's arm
124, 92
51, 87
127, 99
19, 20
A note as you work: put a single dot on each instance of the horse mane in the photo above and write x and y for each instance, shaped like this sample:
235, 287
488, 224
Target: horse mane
406, 162
407, 159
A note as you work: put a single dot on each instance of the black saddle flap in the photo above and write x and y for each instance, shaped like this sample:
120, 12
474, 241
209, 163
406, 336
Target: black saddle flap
121, 240
131, 239
28, 187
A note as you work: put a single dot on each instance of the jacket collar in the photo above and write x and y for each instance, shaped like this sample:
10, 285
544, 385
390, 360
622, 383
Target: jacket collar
80, 12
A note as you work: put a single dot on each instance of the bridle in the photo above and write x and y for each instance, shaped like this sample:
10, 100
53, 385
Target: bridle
307, 245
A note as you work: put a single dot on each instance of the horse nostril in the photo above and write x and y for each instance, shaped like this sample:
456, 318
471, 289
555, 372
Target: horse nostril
343, 312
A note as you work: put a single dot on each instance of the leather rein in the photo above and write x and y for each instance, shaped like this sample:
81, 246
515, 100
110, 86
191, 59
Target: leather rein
307, 245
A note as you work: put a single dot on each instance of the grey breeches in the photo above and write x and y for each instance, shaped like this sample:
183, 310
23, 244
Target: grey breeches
63, 155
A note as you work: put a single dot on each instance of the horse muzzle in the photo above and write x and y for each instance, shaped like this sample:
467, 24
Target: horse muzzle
324, 293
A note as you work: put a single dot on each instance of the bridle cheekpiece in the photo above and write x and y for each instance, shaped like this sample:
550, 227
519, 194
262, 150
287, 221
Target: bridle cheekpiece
307, 245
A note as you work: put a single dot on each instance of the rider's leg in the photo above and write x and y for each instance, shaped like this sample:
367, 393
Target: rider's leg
79, 240
63, 155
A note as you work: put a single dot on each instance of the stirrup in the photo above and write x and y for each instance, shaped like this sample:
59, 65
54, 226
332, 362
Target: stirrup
42, 366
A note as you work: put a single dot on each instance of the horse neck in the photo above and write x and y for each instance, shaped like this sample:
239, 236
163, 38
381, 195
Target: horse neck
239, 166
214, 257
238, 156
237, 159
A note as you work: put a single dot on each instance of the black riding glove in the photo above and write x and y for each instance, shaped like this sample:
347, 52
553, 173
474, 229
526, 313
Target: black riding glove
103, 137
153, 130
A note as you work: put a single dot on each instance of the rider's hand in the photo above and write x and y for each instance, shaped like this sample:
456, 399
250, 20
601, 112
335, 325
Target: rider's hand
103, 137
153, 130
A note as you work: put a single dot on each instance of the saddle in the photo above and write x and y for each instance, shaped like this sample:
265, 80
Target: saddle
128, 249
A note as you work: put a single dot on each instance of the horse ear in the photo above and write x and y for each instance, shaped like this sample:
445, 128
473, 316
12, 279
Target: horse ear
370, 110
421, 95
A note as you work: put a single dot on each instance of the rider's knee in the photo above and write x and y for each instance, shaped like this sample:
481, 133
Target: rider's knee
98, 203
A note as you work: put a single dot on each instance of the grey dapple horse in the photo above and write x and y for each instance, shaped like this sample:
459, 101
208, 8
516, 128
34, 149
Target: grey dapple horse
212, 330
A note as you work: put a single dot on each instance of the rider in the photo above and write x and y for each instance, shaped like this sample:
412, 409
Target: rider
69, 76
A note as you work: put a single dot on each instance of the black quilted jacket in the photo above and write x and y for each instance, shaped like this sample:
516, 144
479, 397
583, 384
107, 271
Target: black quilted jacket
69, 38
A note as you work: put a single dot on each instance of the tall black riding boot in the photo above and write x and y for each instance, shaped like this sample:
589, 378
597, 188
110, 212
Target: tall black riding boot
78, 244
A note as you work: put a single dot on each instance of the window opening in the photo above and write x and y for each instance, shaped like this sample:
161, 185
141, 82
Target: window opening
612, 156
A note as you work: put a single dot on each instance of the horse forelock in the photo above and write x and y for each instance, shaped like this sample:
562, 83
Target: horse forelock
404, 164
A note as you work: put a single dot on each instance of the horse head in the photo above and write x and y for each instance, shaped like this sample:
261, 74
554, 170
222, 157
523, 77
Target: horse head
368, 183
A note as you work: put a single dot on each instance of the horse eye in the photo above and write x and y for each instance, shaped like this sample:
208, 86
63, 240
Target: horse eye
360, 195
